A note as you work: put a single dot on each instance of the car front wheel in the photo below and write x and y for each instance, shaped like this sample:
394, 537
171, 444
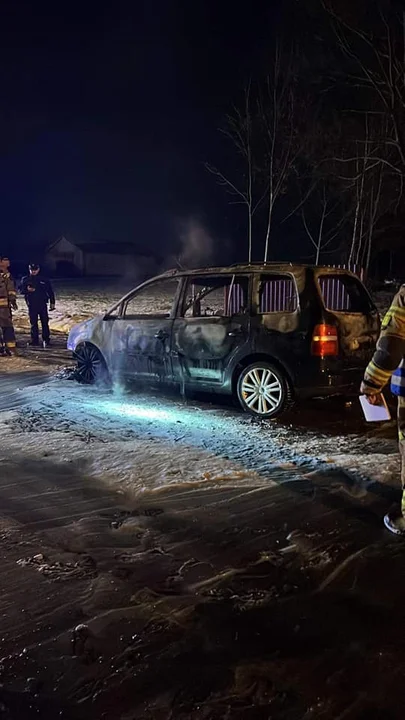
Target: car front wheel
90, 365
263, 390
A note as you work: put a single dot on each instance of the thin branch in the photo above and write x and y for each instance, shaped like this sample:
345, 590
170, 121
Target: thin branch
223, 180
377, 161
302, 201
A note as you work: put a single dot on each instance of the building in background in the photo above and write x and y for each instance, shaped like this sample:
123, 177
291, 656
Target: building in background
66, 258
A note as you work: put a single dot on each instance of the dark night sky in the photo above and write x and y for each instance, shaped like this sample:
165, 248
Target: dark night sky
109, 111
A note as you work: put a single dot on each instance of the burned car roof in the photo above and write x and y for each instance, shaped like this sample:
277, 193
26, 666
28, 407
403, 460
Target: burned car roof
255, 268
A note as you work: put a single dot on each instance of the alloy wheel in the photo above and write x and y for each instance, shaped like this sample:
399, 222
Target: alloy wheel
261, 391
90, 364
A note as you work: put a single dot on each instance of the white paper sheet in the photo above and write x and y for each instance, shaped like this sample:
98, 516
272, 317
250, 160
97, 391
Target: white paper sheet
375, 413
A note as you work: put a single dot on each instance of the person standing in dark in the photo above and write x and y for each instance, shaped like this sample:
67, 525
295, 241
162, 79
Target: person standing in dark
5, 262
38, 292
8, 301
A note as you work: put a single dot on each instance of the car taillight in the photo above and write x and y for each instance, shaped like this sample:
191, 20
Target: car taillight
325, 341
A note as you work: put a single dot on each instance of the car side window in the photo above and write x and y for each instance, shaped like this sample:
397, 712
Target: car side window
277, 294
154, 300
220, 296
344, 293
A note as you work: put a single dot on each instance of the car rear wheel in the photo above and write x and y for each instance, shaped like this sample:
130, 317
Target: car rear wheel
90, 365
263, 390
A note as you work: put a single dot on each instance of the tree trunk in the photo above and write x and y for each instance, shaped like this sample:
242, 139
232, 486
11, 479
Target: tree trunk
354, 235
266, 245
250, 234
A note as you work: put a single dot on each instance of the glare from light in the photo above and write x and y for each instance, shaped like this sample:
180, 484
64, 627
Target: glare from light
136, 411
139, 410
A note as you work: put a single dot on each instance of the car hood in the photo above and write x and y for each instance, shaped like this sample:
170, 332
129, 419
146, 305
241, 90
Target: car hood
83, 331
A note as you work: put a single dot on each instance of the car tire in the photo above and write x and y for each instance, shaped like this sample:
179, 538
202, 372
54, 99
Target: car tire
91, 367
263, 390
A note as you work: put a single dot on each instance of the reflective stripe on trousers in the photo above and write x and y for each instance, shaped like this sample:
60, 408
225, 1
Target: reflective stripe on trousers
8, 336
401, 439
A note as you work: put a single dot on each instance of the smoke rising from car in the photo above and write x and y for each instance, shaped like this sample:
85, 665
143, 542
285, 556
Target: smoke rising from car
196, 245
195, 249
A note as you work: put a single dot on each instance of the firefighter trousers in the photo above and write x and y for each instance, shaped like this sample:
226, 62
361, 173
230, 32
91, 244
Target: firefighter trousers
7, 338
401, 438
7, 329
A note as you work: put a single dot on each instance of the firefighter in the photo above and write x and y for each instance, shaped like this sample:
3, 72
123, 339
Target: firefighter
8, 300
5, 261
389, 362
38, 291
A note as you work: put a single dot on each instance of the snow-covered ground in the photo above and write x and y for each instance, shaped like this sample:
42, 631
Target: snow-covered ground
76, 301
184, 539
362, 450
216, 562
143, 442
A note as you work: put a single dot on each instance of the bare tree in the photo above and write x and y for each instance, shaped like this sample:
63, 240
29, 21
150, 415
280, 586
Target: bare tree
324, 222
360, 183
244, 189
364, 178
367, 212
377, 60
322, 198
279, 132
373, 74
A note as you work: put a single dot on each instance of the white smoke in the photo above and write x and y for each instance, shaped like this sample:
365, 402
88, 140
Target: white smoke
196, 245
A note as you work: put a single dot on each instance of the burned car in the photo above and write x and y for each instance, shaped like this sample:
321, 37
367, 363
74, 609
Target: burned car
267, 334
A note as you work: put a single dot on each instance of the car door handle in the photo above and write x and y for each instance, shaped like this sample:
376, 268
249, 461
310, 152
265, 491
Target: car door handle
235, 333
161, 335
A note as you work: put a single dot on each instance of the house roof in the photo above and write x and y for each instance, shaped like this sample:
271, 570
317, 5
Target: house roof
104, 247
55, 242
110, 248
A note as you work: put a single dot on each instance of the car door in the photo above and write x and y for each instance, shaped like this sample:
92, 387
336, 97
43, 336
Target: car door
277, 319
142, 332
211, 327
349, 306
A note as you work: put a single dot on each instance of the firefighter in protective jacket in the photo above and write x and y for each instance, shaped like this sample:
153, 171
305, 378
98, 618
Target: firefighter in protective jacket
389, 362
8, 301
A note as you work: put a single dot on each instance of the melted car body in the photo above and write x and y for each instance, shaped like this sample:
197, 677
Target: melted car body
268, 333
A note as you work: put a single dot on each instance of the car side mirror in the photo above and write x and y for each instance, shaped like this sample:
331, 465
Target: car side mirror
110, 317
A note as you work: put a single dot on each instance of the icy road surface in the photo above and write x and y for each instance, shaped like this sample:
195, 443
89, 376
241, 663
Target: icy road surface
214, 568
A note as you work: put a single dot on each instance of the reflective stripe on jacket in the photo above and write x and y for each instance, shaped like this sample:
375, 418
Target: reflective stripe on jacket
398, 380
7, 298
387, 361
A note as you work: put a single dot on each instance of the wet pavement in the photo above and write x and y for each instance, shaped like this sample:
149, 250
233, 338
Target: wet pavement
277, 595
206, 604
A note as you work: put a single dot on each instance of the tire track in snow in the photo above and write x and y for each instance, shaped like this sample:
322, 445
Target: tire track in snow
12, 385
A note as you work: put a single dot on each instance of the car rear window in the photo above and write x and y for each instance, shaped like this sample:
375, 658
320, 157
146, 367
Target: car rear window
277, 293
344, 293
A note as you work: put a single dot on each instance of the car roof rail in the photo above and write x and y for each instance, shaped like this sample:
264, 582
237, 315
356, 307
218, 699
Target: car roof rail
258, 264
